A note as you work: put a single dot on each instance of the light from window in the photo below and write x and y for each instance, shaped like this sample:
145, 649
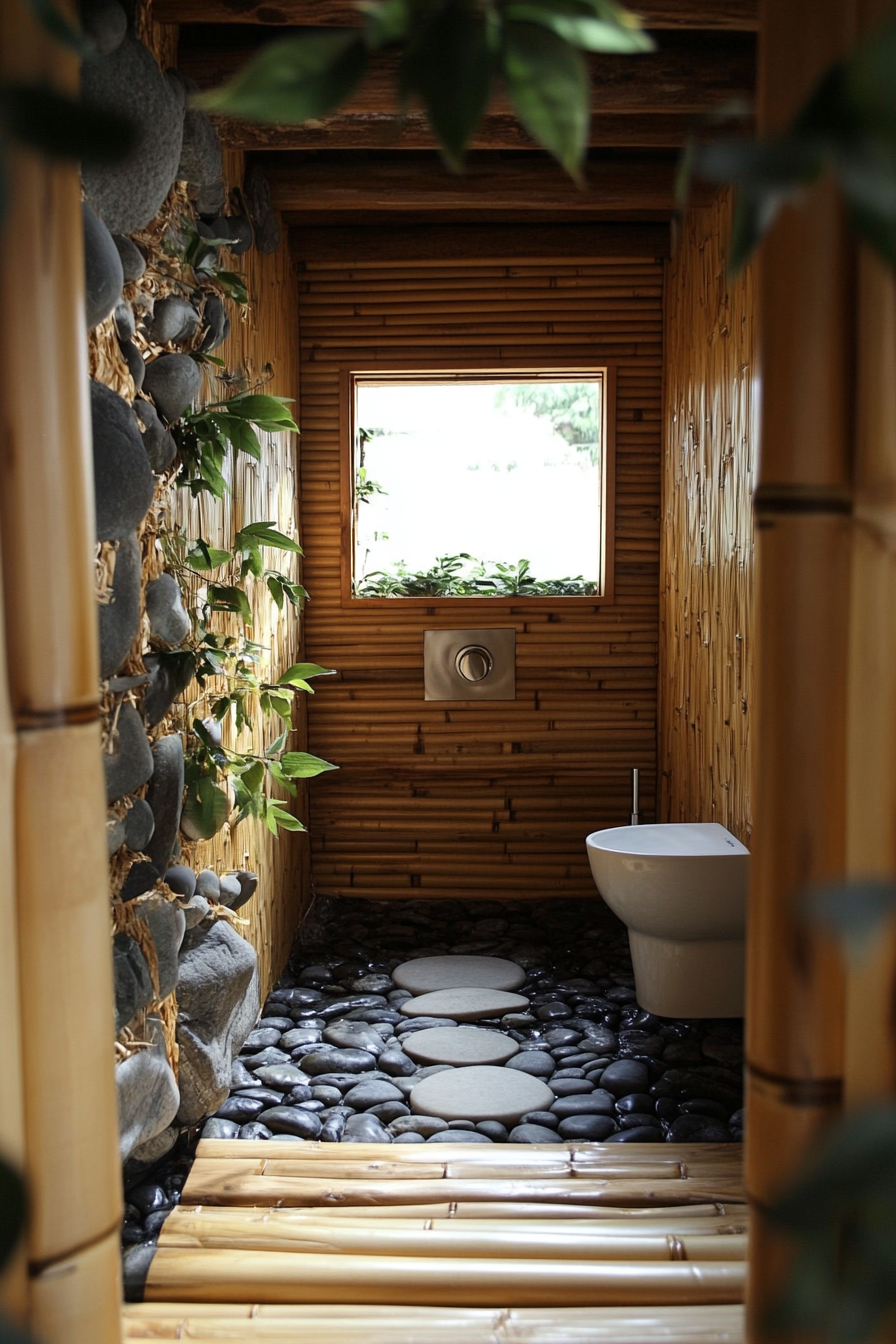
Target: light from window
478, 485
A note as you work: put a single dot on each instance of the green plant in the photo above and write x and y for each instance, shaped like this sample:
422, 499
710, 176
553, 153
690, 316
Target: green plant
452, 52
204, 437
847, 128
570, 408
201, 256
464, 576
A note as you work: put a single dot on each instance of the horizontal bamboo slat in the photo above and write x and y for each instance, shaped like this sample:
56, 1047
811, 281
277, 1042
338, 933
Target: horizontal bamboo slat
424, 773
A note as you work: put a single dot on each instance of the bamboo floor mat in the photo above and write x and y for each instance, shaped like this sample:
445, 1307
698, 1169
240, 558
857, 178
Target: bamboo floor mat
479, 1244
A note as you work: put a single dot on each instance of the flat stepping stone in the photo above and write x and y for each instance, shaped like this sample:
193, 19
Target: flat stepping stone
463, 1005
461, 1045
460, 972
482, 1092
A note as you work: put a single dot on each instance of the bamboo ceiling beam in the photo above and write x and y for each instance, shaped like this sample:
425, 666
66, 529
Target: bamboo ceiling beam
730, 15
690, 77
411, 184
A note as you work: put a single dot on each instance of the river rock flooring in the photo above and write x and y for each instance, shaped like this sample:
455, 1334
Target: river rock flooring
328, 1061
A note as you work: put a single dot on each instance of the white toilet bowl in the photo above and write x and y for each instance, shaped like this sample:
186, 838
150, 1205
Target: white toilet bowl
682, 889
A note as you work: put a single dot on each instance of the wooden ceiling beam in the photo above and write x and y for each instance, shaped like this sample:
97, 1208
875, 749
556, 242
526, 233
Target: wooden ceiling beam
497, 131
459, 242
729, 15
421, 185
689, 77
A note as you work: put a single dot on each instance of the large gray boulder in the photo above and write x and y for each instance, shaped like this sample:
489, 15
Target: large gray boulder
122, 478
105, 23
127, 81
130, 763
148, 1095
168, 620
103, 274
133, 982
120, 617
165, 796
167, 924
217, 1000
173, 382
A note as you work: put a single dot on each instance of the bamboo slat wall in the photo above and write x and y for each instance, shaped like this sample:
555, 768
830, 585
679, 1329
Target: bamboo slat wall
706, 588
489, 800
263, 348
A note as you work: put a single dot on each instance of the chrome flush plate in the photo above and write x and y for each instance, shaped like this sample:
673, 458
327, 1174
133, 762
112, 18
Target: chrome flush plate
469, 664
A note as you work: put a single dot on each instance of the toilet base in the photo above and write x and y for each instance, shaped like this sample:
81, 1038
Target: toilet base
689, 979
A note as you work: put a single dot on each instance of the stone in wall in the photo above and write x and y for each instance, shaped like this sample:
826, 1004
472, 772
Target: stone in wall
148, 1095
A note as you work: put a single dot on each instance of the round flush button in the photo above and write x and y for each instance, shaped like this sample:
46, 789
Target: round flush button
473, 662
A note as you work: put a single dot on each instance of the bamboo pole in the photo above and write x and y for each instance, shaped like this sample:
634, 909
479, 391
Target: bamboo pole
46, 515
795, 983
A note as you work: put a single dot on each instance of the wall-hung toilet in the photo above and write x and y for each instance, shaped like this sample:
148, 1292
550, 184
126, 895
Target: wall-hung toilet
681, 888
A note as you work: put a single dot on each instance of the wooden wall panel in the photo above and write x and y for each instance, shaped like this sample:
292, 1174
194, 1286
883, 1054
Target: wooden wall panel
262, 348
489, 799
706, 649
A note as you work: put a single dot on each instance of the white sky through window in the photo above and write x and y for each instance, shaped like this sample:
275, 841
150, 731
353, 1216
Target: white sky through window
464, 467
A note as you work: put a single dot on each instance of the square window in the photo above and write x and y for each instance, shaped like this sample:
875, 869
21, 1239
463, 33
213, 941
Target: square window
480, 484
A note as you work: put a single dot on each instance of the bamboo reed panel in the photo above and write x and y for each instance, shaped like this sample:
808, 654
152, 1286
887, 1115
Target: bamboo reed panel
262, 349
418, 772
706, 588
683, 1158
233, 1229
421, 1325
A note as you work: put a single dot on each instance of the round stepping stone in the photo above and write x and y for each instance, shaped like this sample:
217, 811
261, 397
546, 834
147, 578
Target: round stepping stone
461, 1045
463, 1005
482, 1092
460, 972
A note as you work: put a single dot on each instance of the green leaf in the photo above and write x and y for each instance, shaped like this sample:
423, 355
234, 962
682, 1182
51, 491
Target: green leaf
234, 285
253, 778
279, 816
204, 735
276, 747
275, 588
204, 558
301, 765
300, 672
282, 705
206, 808
62, 128
224, 597
266, 534
548, 83
241, 435
252, 562
582, 29
60, 27
276, 772
387, 21
262, 409
294, 79
449, 67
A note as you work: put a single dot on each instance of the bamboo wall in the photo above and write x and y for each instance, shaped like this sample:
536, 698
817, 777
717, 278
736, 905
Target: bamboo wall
489, 800
706, 589
262, 349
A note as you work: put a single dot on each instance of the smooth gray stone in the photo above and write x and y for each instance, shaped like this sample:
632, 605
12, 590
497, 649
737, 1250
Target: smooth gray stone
594, 1128
133, 982
270, 1057
173, 321
387, 1111
127, 81
210, 200
291, 1120
131, 762
255, 1130
240, 1076
248, 883
139, 825
196, 910
424, 1125
105, 23
208, 885
409, 1137
215, 322
533, 1134
147, 1093
165, 797
165, 608
330, 1096
333, 1129
460, 1136
149, 1153
625, 1076
260, 1038
167, 925
168, 678
200, 157
283, 1077
394, 1061
229, 890
365, 1129
338, 1061
135, 1265
181, 880
257, 194
103, 274
365, 1095
157, 440
372, 984
592, 1103
354, 1035
642, 1135
546, 1118
123, 315
300, 1036
134, 360
272, 1020
217, 999
538, 1063
119, 619
220, 1129
173, 382
123, 480
493, 1129
570, 1087
602, 1039
115, 833
133, 262
698, 1129
236, 230
141, 878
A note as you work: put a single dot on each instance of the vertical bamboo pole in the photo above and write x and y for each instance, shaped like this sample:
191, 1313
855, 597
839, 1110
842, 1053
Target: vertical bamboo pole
795, 980
46, 520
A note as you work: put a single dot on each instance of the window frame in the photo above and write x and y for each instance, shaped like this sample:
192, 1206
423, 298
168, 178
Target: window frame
408, 369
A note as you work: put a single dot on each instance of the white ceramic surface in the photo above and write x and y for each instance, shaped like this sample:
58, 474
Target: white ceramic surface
681, 889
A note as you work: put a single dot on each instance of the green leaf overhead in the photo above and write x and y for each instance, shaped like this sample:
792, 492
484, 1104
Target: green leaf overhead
448, 67
301, 765
299, 673
294, 79
597, 26
205, 808
548, 83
